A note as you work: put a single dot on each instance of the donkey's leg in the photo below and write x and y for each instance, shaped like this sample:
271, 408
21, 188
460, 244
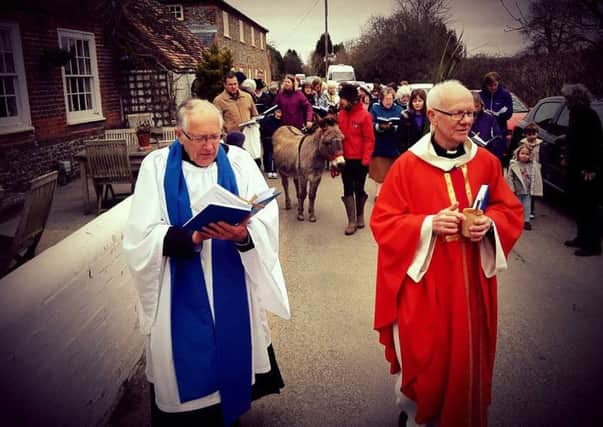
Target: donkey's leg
301, 196
285, 182
314, 183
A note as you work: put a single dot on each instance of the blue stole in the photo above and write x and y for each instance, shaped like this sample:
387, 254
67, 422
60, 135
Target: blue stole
208, 358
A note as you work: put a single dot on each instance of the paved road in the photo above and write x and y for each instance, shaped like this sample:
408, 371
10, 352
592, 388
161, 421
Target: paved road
550, 349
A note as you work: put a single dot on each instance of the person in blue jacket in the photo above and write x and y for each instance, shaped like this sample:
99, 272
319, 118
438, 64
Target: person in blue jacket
497, 100
386, 139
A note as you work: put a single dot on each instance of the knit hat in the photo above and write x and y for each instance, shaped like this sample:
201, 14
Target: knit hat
240, 77
235, 138
349, 93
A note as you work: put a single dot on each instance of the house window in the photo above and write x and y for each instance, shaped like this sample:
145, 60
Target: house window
14, 101
177, 11
80, 77
262, 41
241, 31
226, 25
252, 36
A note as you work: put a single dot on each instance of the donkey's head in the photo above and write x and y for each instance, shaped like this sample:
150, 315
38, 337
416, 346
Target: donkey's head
331, 141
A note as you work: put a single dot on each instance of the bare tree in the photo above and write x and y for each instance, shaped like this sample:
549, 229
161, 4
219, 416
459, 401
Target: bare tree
422, 10
555, 26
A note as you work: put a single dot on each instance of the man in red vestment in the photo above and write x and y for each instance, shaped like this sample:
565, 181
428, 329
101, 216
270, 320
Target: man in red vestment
436, 304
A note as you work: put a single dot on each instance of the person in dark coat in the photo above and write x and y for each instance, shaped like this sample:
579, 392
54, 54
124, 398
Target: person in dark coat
267, 128
584, 141
497, 100
485, 129
414, 123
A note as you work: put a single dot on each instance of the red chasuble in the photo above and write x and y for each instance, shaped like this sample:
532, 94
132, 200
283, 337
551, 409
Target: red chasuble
447, 321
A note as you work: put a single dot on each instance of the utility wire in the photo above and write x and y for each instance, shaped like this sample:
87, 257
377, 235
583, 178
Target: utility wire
301, 21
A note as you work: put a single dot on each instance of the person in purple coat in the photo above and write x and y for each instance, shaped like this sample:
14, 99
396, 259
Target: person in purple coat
485, 129
295, 108
497, 100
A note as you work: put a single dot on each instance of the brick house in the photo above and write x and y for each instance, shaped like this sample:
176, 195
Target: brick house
65, 75
215, 21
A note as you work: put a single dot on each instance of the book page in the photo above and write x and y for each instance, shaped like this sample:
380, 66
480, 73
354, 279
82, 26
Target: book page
220, 196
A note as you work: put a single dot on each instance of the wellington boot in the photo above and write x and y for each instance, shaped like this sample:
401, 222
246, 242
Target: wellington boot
350, 209
360, 201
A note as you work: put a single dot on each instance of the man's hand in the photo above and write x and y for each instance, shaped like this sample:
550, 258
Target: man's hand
222, 231
480, 227
384, 126
447, 220
309, 125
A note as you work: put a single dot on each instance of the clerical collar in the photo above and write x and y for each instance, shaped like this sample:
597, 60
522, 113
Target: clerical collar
449, 154
186, 158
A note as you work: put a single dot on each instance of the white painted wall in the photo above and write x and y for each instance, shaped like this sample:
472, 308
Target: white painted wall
68, 329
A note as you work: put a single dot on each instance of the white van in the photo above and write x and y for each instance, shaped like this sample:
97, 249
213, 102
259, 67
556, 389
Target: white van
341, 73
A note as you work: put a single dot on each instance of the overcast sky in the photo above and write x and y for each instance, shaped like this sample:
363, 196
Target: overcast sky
298, 24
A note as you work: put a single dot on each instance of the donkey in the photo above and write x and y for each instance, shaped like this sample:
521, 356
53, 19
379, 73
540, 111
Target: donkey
302, 157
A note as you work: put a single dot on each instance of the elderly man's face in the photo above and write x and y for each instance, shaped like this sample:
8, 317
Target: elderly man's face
449, 131
231, 85
201, 139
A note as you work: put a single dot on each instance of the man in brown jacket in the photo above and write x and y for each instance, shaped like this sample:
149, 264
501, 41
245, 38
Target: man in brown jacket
235, 105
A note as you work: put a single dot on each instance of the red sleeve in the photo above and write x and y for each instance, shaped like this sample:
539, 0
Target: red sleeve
397, 232
504, 208
369, 139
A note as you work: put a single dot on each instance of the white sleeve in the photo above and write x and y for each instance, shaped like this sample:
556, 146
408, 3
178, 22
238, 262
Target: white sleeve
143, 239
492, 255
262, 265
424, 252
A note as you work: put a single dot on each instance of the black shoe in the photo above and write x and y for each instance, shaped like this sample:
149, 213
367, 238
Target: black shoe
587, 252
574, 243
527, 226
402, 419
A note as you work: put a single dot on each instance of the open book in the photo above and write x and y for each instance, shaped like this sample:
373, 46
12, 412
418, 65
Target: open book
392, 120
219, 204
480, 141
255, 120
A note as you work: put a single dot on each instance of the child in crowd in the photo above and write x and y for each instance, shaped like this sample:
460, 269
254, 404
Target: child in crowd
268, 126
525, 179
532, 140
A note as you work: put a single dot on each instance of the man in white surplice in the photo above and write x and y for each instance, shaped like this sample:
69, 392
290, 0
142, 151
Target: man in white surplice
157, 247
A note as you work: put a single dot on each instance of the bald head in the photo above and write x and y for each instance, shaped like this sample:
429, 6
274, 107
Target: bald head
197, 109
450, 110
445, 92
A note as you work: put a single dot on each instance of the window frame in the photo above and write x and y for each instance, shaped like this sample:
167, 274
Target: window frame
22, 121
174, 12
252, 35
241, 31
96, 113
226, 24
262, 41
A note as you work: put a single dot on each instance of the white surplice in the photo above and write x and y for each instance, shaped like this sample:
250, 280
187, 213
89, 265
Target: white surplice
143, 244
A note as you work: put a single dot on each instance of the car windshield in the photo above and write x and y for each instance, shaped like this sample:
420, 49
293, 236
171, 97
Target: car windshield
518, 106
342, 75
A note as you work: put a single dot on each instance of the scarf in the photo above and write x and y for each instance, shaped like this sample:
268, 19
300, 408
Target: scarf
208, 358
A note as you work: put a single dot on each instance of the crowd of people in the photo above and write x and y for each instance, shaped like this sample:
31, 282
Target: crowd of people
204, 294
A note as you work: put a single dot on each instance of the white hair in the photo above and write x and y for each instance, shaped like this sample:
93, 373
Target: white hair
192, 107
440, 90
248, 85
403, 91
332, 83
